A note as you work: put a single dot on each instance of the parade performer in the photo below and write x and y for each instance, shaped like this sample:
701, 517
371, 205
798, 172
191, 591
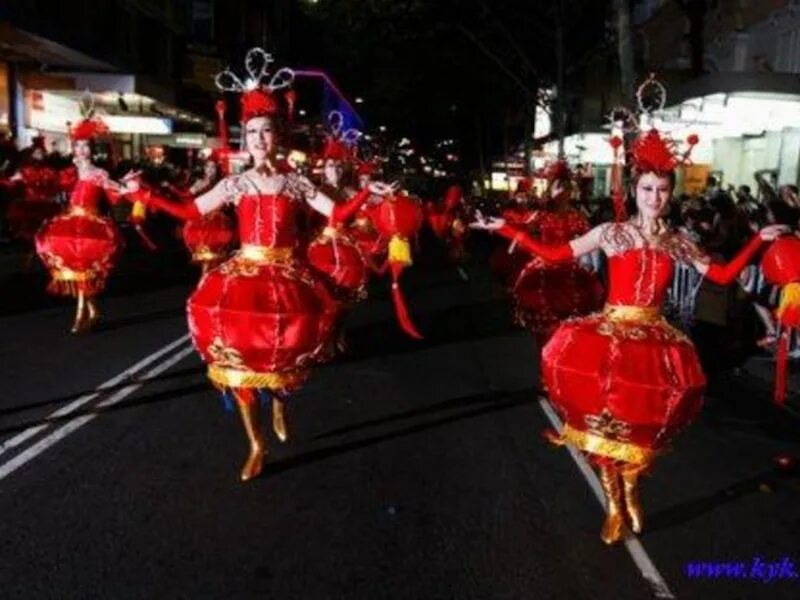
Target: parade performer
546, 294
80, 247
624, 380
40, 186
447, 221
506, 261
362, 229
261, 319
334, 254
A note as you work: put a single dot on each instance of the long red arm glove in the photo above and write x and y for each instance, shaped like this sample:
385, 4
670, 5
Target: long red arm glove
553, 254
345, 211
180, 193
727, 273
186, 211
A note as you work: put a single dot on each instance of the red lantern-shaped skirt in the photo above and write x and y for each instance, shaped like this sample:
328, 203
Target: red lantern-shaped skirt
367, 238
209, 238
79, 249
624, 381
260, 320
339, 259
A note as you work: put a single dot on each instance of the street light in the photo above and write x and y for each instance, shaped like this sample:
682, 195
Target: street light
359, 100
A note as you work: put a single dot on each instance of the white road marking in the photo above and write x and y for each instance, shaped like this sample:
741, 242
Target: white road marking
59, 434
25, 435
640, 557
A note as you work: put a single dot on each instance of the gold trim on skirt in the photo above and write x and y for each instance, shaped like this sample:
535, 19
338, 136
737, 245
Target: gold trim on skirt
228, 377
614, 449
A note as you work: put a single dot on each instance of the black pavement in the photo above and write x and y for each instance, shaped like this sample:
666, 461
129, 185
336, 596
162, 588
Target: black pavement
415, 469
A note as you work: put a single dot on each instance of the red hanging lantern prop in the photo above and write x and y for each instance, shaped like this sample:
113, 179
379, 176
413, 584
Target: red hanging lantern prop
617, 195
208, 239
398, 219
781, 266
222, 127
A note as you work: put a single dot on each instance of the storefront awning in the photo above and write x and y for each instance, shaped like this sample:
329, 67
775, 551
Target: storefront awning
18, 45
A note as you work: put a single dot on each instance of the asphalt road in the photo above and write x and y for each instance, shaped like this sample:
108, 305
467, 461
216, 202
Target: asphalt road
415, 469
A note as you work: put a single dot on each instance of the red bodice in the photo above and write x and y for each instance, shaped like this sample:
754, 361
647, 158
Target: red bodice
41, 182
639, 277
86, 195
556, 228
519, 214
267, 220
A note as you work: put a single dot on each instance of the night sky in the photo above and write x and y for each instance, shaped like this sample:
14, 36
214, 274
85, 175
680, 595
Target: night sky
445, 69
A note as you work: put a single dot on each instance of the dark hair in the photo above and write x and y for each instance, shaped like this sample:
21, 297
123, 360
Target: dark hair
567, 184
782, 213
92, 145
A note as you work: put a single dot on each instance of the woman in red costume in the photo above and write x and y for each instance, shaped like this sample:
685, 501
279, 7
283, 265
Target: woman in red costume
80, 247
546, 294
261, 319
506, 260
447, 222
362, 230
40, 185
624, 380
334, 254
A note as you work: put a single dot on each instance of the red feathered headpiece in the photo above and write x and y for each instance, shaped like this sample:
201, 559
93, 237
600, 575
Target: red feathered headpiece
336, 150
340, 144
558, 170
88, 129
523, 186
258, 103
654, 153
453, 196
366, 168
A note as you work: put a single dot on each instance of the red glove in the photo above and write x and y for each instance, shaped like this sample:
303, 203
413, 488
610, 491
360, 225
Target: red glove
553, 254
727, 273
186, 211
345, 211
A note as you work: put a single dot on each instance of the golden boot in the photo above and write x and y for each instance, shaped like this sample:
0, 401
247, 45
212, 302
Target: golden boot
614, 526
250, 411
630, 487
79, 325
279, 418
93, 312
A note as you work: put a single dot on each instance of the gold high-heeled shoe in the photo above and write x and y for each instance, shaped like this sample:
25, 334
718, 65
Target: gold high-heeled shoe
250, 411
630, 487
279, 419
79, 324
614, 526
